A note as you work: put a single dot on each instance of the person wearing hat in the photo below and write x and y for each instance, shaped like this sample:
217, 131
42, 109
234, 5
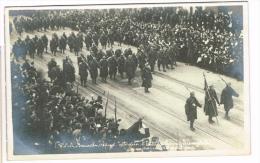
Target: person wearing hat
147, 78
227, 100
191, 109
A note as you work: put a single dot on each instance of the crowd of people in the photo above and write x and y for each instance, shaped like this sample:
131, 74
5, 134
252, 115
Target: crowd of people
202, 37
54, 113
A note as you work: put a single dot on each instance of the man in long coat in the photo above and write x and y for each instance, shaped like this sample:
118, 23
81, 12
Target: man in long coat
191, 109
226, 98
83, 73
103, 69
147, 78
210, 107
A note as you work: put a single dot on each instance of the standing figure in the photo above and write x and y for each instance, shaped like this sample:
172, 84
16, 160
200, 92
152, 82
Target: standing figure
103, 69
147, 78
112, 64
130, 68
191, 109
93, 68
83, 73
227, 100
210, 107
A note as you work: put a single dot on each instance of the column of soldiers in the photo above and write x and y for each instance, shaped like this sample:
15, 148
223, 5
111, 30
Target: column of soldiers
210, 105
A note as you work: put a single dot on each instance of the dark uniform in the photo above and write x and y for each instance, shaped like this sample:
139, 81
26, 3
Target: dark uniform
226, 98
45, 42
121, 65
130, 68
68, 70
51, 65
112, 64
83, 73
191, 109
93, 69
147, 78
162, 60
62, 44
103, 69
210, 107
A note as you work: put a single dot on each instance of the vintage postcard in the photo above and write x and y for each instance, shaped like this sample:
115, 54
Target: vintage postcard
127, 80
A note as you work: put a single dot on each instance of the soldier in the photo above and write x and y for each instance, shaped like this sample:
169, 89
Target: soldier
210, 107
88, 40
45, 42
71, 40
130, 68
121, 65
112, 64
51, 64
40, 47
103, 69
141, 58
62, 44
83, 73
191, 109
93, 68
53, 45
152, 57
68, 70
77, 44
147, 78
162, 59
226, 98
103, 40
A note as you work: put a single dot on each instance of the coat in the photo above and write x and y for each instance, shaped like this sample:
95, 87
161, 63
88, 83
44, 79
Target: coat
226, 97
210, 107
191, 108
147, 78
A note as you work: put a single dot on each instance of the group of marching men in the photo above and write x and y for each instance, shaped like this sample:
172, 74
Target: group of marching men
211, 101
108, 61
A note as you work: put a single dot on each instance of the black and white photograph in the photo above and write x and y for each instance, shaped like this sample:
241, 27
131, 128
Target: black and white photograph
146, 80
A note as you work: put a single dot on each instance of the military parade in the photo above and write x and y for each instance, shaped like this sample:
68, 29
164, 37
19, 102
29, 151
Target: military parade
99, 49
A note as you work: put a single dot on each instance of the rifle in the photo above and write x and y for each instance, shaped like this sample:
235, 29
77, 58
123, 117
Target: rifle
106, 106
187, 89
222, 79
210, 98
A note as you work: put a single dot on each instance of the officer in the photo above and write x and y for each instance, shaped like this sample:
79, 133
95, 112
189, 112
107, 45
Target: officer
227, 100
191, 109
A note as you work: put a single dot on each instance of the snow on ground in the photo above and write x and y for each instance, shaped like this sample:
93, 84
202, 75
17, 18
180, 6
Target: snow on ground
163, 107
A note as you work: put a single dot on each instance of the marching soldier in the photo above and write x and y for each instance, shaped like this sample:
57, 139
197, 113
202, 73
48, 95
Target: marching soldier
130, 68
162, 60
191, 109
62, 44
103, 69
53, 45
51, 65
121, 65
88, 40
112, 64
45, 42
152, 57
226, 98
147, 78
68, 70
210, 107
83, 73
93, 68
